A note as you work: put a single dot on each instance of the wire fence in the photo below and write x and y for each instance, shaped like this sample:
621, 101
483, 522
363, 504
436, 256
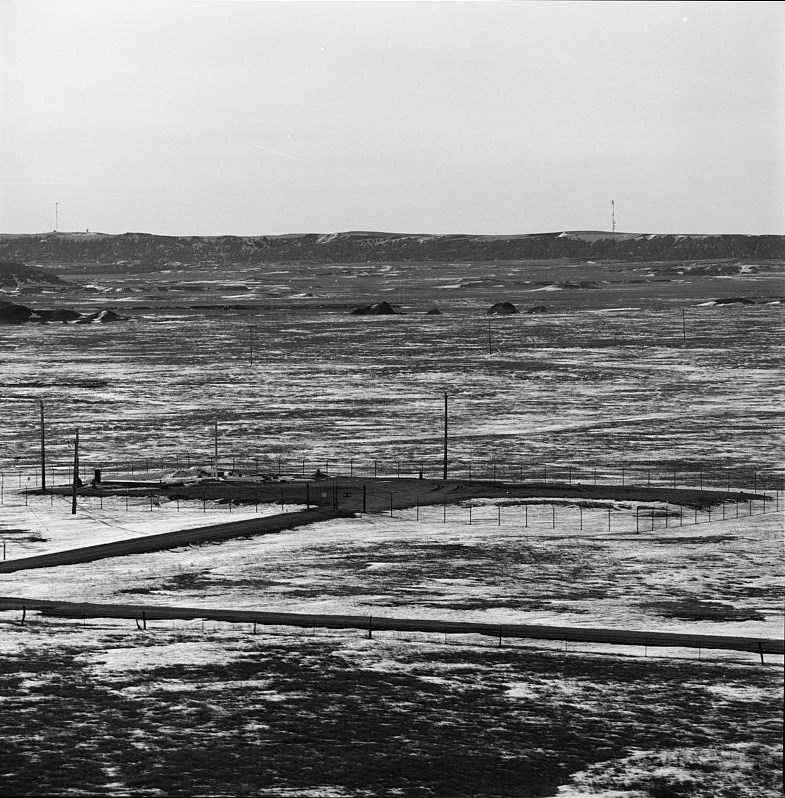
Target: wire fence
154, 469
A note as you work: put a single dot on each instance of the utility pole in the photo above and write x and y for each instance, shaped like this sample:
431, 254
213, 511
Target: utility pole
445, 435
76, 473
43, 450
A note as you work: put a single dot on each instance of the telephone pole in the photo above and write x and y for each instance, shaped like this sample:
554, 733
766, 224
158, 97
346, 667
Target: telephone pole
216, 447
445, 435
76, 473
43, 450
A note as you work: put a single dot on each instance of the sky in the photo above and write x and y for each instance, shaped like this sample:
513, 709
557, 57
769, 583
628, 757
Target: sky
197, 117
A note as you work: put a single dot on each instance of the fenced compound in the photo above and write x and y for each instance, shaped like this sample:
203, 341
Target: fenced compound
16, 476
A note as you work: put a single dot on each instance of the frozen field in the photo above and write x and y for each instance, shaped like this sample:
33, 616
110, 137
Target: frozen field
603, 389
575, 389
194, 707
555, 564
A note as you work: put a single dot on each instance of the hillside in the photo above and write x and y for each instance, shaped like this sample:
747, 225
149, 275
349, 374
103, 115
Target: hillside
14, 275
142, 249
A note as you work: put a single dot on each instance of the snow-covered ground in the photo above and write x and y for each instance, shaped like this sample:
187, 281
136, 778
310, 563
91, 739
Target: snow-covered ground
43, 524
714, 577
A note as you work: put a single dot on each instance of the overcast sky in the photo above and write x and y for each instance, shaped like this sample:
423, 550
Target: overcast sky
193, 117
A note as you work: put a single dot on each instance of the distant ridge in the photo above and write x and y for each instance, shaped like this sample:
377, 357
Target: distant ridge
361, 246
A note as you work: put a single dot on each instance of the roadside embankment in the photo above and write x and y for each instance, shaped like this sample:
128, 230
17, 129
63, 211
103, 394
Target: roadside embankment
143, 613
168, 540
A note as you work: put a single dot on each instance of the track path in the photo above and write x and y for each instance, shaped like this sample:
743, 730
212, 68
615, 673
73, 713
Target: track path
144, 614
169, 540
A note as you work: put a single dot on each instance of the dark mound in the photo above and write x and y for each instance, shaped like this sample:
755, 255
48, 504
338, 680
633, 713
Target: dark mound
378, 309
502, 309
538, 309
734, 300
100, 317
60, 314
14, 314
433, 312
15, 273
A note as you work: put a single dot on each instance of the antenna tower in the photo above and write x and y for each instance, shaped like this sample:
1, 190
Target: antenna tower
613, 215
55, 217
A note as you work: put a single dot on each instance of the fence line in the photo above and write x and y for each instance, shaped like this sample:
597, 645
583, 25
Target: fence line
520, 516
18, 477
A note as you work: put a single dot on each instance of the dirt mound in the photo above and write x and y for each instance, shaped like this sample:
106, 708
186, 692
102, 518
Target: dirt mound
502, 309
377, 309
11, 313
734, 300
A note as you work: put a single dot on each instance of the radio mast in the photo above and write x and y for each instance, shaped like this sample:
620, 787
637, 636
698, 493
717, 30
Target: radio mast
613, 215
55, 217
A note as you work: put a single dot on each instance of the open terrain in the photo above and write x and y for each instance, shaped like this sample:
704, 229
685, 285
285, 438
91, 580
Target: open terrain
615, 411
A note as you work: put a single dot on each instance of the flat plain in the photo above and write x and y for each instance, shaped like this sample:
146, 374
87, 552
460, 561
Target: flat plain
632, 374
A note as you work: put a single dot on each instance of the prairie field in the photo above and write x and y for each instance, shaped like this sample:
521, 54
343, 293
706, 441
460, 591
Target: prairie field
632, 377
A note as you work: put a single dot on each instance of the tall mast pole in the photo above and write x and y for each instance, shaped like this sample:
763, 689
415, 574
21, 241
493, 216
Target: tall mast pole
43, 450
76, 473
445, 435
613, 215
56, 209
